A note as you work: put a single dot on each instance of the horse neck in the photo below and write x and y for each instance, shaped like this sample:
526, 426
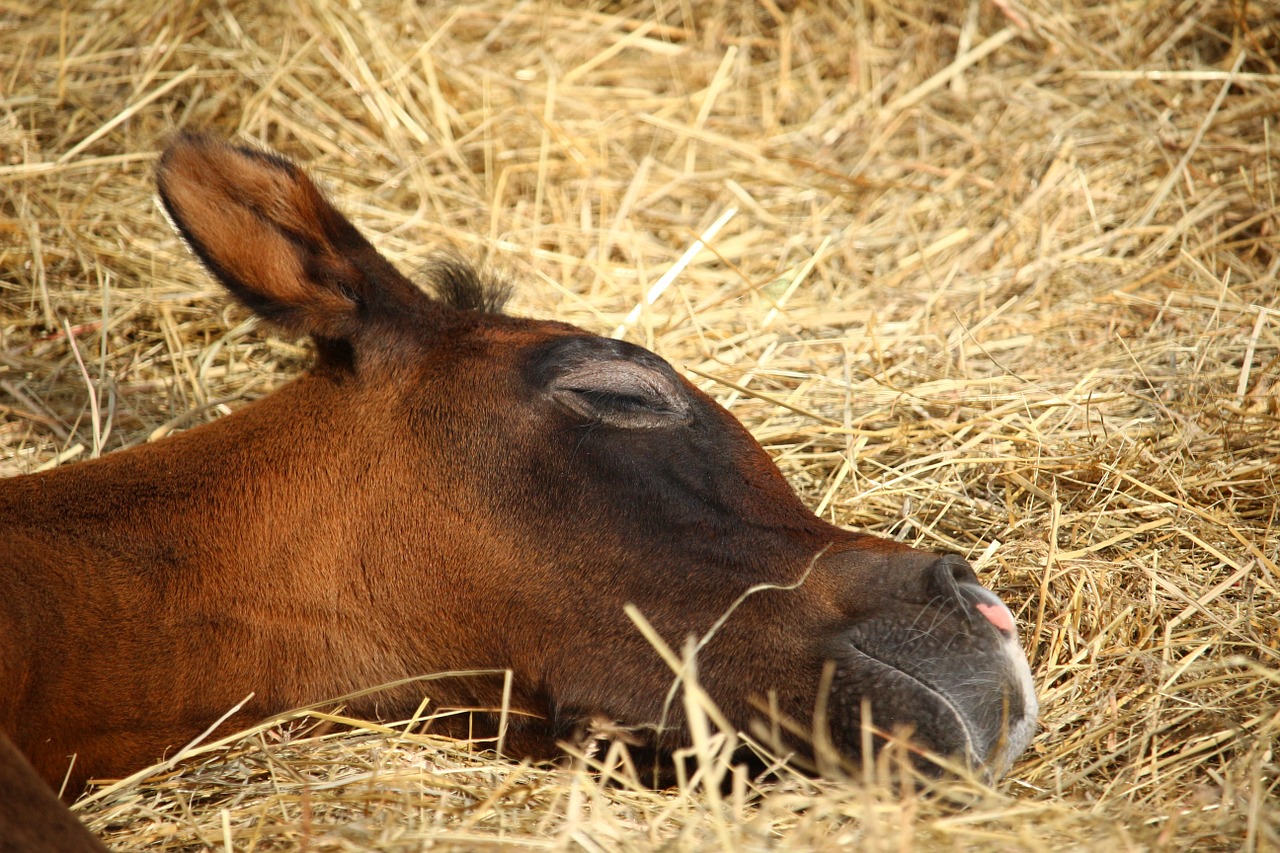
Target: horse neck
268, 464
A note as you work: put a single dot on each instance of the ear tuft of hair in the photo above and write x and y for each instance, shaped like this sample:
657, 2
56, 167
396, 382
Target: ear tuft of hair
458, 284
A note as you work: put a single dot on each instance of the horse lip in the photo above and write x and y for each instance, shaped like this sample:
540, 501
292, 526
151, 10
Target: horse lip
1017, 733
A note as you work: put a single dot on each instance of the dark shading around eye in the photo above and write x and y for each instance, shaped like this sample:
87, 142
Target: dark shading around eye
460, 285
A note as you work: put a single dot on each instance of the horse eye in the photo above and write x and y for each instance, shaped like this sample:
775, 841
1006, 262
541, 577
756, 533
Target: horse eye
622, 395
604, 398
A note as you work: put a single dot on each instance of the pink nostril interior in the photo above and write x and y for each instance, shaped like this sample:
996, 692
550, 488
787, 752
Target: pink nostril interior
998, 615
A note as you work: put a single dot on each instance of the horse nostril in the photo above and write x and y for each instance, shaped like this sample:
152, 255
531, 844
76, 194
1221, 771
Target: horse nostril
948, 572
953, 579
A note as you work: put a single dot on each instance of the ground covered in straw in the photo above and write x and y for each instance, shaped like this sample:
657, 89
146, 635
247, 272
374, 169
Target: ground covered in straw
998, 277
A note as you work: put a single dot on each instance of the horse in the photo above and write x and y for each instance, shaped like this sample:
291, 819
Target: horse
449, 487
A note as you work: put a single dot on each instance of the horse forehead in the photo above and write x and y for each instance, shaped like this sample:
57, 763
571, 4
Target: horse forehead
498, 335
470, 362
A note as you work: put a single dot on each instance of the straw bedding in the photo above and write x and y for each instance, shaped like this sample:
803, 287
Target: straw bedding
995, 277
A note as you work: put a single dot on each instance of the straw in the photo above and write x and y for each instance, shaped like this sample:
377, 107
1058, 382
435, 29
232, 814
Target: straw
992, 278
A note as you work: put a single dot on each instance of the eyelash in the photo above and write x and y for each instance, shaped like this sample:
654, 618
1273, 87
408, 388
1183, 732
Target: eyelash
601, 398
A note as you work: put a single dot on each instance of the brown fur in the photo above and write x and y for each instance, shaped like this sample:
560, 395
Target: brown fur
447, 489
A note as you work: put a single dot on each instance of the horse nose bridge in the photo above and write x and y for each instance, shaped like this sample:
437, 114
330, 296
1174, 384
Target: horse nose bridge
883, 574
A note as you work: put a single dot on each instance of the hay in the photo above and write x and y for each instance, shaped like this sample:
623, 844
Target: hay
999, 278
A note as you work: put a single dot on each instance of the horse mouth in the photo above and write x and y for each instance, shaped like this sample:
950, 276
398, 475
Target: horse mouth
976, 703
921, 687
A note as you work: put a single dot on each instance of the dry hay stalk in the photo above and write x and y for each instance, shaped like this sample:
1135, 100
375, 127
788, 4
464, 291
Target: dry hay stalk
1001, 279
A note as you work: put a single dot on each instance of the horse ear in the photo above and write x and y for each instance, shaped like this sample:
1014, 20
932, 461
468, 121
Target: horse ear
264, 230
